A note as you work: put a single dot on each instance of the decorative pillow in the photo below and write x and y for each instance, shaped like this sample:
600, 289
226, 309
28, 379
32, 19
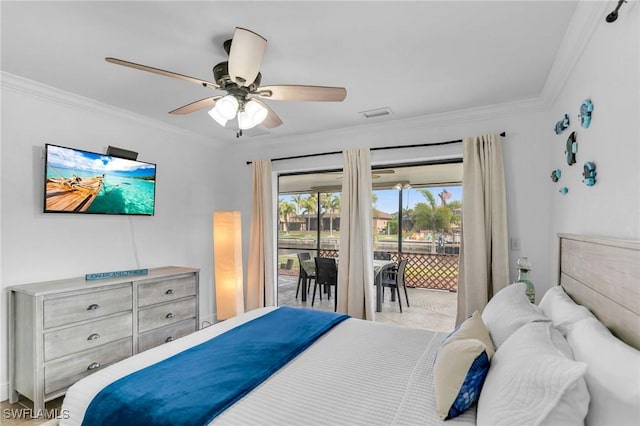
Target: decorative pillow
508, 310
461, 366
532, 382
613, 376
562, 310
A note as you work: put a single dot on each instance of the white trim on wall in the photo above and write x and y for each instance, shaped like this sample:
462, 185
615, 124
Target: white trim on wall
584, 22
42, 91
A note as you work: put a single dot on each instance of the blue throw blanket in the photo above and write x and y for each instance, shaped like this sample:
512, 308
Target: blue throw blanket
196, 385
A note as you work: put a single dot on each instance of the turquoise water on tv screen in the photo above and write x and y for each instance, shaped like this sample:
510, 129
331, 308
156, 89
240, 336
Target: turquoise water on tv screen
124, 195
119, 194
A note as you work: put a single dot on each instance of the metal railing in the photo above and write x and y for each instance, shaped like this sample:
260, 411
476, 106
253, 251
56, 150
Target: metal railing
424, 270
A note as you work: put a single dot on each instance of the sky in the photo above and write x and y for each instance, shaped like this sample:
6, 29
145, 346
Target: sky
68, 158
388, 199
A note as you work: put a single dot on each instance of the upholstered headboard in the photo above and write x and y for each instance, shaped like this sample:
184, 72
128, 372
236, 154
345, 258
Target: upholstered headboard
604, 275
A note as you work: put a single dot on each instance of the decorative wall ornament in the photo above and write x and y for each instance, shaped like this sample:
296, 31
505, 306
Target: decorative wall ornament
562, 124
585, 113
571, 149
555, 175
564, 190
589, 173
614, 15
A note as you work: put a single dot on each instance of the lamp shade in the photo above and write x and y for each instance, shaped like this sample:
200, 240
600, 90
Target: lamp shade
253, 114
213, 112
227, 263
227, 107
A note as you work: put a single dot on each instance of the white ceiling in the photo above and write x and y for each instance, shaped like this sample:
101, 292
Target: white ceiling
417, 58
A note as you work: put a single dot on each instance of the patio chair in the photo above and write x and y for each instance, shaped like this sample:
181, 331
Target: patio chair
327, 275
394, 280
303, 277
381, 255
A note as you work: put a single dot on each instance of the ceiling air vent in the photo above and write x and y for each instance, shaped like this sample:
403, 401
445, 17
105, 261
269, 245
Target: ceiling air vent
373, 113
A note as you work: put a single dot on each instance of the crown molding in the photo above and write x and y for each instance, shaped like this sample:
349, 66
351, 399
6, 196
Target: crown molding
38, 90
587, 17
418, 123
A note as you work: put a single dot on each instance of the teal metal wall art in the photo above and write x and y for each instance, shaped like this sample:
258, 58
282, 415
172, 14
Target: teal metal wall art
555, 175
585, 113
562, 124
571, 149
589, 173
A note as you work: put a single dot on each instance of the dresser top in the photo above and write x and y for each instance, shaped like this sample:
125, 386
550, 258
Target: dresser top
80, 283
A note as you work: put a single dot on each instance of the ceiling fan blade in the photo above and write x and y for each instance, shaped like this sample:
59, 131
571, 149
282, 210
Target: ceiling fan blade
272, 119
162, 72
302, 93
245, 56
196, 106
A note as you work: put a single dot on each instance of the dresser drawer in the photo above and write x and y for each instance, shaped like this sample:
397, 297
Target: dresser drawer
63, 372
165, 334
80, 307
164, 291
165, 314
86, 336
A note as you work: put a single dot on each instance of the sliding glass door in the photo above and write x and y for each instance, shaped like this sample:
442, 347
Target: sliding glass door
416, 212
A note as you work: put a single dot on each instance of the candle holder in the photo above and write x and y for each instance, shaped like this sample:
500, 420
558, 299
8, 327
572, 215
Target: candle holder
524, 267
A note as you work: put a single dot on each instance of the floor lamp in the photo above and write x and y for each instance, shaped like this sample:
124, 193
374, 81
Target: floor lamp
227, 264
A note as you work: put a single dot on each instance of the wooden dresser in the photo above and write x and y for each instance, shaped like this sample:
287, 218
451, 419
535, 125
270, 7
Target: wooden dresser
61, 331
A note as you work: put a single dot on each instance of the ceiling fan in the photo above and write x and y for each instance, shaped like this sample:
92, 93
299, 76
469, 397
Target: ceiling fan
240, 77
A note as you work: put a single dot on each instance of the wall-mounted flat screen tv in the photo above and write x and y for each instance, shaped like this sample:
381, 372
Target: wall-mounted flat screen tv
78, 181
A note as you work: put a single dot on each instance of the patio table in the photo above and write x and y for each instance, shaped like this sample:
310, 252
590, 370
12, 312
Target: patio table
379, 266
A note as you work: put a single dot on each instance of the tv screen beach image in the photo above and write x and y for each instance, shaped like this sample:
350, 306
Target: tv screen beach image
85, 182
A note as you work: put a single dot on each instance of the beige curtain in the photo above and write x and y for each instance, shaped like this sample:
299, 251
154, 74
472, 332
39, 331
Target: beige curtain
355, 269
260, 273
484, 257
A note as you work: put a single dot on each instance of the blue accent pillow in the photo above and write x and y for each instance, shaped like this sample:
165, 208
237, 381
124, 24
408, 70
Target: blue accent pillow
471, 387
461, 366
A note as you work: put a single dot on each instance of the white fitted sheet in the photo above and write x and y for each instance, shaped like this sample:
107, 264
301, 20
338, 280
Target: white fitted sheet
358, 373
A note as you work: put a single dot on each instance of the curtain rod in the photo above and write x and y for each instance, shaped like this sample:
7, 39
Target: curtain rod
379, 148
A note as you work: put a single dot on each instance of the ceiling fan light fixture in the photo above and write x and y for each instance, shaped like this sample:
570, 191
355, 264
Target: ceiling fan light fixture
227, 107
402, 185
213, 112
252, 115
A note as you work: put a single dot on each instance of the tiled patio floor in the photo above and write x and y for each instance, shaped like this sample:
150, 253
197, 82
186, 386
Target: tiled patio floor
430, 309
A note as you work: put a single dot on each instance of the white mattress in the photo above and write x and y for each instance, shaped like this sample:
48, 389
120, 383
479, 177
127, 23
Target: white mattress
358, 373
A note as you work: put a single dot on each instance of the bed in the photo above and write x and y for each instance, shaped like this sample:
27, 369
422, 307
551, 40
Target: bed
358, 372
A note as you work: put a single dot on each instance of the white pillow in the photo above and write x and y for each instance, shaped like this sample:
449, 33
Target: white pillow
562, 310
613, 375
508, 310
532, 382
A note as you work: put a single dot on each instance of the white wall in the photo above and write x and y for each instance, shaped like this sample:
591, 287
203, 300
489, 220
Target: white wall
39, 247
608, 73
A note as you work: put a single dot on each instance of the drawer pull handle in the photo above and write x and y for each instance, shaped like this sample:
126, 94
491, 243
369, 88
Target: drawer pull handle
93, 307
169, 339
94, 336
93, 366
170, 291
169, 315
